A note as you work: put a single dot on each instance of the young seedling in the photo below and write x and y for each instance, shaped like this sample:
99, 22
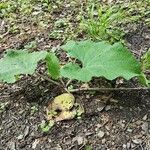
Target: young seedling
98, 59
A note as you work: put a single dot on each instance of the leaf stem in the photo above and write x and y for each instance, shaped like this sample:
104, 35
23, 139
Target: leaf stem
48, 79
69, 81
64, 85
108, 89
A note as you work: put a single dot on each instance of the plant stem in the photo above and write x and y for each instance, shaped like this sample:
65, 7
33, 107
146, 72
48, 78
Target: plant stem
108, 89
48, 79
68, 82
64, 85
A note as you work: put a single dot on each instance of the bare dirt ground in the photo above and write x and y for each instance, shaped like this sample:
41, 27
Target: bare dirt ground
112, 121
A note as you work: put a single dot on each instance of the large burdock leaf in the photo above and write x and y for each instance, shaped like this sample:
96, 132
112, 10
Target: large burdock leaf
17, 62
99, 59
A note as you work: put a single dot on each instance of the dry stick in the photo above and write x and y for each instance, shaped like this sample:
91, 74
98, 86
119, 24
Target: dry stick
108, 89
48, 79
3, 35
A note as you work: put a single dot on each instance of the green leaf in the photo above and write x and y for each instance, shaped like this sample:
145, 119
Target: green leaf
143, 80
16, 62
146, 61
53, 65
99, 60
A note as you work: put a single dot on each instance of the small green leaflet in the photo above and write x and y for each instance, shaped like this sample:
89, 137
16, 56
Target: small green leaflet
16, 62
146, 61
53, 65
100, 59
143, 80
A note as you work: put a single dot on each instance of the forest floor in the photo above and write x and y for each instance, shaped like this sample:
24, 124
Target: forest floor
112, 120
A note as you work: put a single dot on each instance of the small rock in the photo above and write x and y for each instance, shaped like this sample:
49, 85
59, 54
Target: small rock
132, 145
145, 117
121, 123
79, 139
107, 133
145, 127
107, 128
129, 130
34, 144
88, 133
128, 145
121, 107
20, 137
100, 134
108, 107
124, 146
11, 145
26, 131
103, 141
137, 141
101, 107
58, 147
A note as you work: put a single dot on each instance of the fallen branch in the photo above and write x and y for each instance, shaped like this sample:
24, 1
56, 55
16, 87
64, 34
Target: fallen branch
109, 89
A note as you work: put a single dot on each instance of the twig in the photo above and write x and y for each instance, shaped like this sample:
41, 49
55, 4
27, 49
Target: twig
125, 128
48, 79
108, 89
69, 81
3, 35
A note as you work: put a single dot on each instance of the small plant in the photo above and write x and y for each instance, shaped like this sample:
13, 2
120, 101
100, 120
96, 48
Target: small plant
34, 109
100, 23
46, 126
97, 59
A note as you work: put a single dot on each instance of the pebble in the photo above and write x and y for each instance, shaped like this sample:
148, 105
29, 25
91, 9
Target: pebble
34, 144
128, 145
137, 141
145, 127
107, 128
145, 117
11, 145
26, 131
108, 107
100, 108
129, 130
121, 123
124, 146
80, 140
132, 145
100, 134
20, 137
121, 107
103, 141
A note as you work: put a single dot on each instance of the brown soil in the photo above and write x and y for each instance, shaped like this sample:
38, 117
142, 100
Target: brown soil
119, 123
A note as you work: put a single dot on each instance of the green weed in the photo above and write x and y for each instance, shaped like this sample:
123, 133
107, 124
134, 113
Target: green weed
101, 21
46, 126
